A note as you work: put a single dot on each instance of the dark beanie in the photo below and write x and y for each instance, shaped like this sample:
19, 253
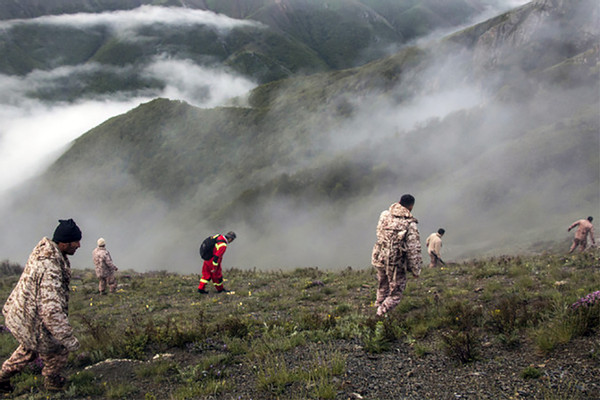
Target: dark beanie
67, 231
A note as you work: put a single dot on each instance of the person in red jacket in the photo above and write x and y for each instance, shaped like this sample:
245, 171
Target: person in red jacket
211, 269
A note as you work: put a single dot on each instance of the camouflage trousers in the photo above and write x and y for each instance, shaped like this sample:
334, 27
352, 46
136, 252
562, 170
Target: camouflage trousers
389, 290
21, 357
581, 243
110, 280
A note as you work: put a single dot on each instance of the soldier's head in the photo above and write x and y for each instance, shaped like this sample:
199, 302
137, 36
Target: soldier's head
101, 242
441, 231
590, 219
230, 236
407, 201
67, 236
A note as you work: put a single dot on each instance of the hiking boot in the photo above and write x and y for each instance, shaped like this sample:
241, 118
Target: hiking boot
55, 383
224, 291
202, 291
6, 386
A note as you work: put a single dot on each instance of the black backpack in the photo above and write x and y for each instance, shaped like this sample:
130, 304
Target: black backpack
207, 246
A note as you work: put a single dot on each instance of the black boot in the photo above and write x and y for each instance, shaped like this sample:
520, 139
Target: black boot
55, 383
6, 386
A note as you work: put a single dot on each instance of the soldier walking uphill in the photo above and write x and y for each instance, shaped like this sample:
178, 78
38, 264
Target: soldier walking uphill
584, 228
396, 252
105, 268
211, 268
36, 312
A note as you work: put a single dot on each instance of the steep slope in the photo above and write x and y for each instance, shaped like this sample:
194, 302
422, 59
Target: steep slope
500, 159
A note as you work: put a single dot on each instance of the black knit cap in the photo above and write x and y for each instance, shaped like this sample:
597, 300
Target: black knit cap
67, 231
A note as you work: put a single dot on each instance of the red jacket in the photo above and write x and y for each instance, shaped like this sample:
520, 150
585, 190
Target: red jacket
219, 251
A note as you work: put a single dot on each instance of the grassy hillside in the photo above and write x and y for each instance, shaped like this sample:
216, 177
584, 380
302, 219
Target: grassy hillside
495, 327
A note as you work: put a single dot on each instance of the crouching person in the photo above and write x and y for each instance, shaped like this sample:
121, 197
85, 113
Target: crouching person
36, 312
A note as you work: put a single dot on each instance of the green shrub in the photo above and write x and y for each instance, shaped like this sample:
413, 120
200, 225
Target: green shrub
530, 372
27, 382
233, 326
273, 375
461, 346
421, 349
310, 320
378, 340
509, 314
342, 309
8, 268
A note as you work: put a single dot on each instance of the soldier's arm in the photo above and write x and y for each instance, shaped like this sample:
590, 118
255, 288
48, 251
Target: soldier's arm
53, 303
413, 249
109, 262
573, 225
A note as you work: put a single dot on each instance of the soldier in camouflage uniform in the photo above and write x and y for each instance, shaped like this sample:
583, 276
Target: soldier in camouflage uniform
584, 228
396, 252
36, 312
105, 268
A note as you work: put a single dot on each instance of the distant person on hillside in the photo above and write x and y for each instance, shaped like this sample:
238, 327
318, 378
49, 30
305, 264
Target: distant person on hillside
584, 229
434, 247
396, 252
211, 268
105, 268
36, 312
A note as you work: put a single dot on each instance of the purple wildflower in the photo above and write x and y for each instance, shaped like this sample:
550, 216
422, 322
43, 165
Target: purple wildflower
588, 301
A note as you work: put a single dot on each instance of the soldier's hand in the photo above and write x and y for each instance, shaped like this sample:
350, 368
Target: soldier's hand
72, 343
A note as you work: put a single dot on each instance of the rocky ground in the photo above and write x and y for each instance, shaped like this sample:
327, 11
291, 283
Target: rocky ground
571, 372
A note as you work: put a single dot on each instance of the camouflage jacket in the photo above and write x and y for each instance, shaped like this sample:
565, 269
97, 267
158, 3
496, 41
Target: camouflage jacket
585, 227
103, 262
398, 246
36, 312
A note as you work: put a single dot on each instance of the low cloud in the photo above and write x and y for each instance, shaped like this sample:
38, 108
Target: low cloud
128, 22
195, 84
33, 133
